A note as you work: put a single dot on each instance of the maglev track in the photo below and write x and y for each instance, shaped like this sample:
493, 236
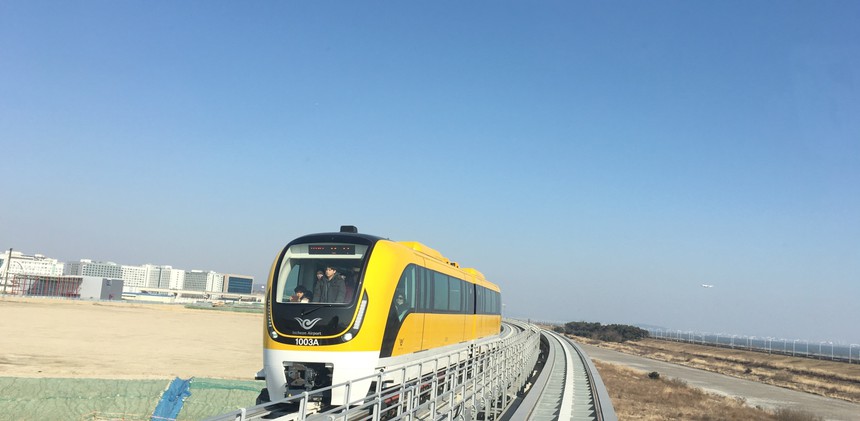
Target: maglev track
567, 388
523, 373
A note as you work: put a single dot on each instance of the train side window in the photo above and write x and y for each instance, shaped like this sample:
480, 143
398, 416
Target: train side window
407, 286
440, 292
455, 295
479, 300
493, 302
419, 289
424, 290
289, 281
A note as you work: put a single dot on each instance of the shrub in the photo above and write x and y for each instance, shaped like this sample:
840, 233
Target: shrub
681, 383
783, 376
654, 375
607, 333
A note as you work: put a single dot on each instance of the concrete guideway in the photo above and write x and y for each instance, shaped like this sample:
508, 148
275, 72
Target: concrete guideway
755, 394
568, 387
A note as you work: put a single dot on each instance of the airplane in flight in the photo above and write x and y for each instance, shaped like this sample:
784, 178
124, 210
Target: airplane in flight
707, 286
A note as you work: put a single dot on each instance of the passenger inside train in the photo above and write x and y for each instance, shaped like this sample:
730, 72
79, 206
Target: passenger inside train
302, 295
401, 308
324, 280
331, 288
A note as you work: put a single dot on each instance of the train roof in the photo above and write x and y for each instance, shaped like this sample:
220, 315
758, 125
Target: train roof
427, 251
346, 231
434, 254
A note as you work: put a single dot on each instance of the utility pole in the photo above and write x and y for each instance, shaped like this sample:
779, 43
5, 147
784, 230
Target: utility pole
6, 277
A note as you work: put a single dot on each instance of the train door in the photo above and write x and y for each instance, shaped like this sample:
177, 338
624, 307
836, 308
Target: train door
426, 289
471, 318
456, 305
480, 317
407, 313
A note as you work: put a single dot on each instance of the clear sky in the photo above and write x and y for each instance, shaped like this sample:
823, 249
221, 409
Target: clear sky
598, 160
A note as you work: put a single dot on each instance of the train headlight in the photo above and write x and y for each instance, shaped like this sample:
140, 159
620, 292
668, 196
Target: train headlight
360, 317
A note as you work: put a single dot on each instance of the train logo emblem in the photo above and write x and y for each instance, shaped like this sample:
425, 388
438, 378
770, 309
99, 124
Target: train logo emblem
307, 324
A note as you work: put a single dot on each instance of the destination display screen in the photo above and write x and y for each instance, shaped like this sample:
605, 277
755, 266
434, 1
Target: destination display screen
331, 249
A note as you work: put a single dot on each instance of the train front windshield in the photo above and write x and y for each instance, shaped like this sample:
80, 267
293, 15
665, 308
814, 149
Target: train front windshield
320, 274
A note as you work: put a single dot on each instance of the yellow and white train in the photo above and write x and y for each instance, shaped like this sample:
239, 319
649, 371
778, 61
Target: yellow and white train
349, 323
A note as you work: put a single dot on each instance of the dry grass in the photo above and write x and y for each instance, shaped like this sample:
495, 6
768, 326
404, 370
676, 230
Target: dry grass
637, 396
821, 377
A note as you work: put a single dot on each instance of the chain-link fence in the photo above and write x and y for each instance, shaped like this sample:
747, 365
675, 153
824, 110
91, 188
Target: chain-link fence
849, 353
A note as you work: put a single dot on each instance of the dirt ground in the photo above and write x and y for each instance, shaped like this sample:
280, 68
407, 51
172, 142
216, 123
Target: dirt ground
44, 337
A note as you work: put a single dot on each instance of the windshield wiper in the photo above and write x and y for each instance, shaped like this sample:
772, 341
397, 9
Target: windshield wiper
305, 313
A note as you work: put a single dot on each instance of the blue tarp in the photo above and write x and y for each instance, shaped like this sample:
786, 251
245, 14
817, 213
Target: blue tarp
172, 399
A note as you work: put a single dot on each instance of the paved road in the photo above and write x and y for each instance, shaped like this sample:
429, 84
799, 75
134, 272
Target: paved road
756, 394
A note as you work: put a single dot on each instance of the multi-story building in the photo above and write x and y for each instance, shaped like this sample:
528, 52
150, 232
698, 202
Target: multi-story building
14, 262
198, 280
195, 280
87, 267
164, 277
176, 279
134, 278
238, 284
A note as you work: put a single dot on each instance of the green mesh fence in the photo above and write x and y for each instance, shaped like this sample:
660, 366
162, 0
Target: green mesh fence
131, 400
213, 396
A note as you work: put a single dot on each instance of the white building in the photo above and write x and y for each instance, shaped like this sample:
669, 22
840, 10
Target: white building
198, 280
133, 277
20, 263
215, 282
176, 279
87, 267
164, 277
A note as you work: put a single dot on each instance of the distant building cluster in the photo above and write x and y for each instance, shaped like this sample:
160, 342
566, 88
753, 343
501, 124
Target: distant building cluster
135, 278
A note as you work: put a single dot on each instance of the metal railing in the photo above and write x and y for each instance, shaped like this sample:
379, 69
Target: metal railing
475, 382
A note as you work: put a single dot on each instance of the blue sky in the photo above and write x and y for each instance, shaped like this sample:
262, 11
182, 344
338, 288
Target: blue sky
598, 160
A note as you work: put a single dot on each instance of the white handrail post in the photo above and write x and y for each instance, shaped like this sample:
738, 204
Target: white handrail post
377, 405
347, 399
303, 405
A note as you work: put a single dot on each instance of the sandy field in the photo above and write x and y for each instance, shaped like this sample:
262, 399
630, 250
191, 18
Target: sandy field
118, 340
